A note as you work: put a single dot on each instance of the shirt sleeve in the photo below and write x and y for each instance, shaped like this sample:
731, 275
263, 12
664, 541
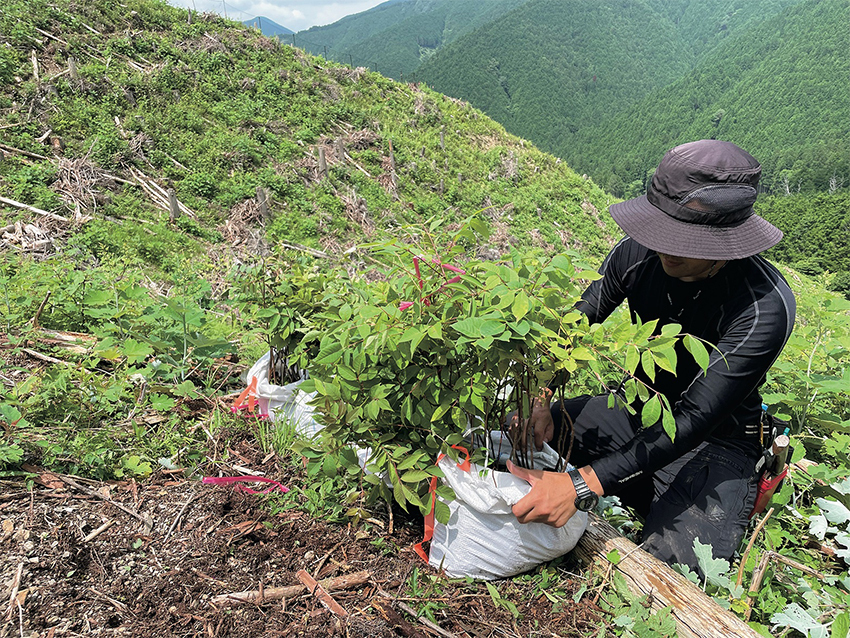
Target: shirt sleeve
604, 295
747, 348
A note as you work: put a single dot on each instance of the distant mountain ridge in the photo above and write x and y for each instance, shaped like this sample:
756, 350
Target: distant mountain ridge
608, 85
268, 27
396, 36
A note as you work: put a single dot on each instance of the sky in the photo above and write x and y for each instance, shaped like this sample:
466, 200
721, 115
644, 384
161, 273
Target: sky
296, 15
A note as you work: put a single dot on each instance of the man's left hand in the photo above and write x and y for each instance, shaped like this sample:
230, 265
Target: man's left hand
551, 499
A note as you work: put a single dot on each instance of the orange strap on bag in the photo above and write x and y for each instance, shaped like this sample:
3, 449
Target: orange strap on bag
432, 493
249, 393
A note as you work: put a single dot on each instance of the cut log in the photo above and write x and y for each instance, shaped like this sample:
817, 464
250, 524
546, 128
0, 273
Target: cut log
349, 581
696, 614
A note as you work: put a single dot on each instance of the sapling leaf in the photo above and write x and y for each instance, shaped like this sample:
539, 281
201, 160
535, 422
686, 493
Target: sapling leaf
668, 422
648, 364
650, 412
671, 330
442, 512
520, 305
632, 359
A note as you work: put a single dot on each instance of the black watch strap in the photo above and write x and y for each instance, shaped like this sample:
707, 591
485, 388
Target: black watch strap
586, 499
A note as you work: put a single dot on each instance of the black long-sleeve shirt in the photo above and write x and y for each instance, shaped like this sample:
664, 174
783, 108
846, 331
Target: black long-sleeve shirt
746, 310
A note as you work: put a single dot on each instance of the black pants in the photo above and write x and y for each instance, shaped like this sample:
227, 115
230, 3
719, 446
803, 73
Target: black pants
708, 493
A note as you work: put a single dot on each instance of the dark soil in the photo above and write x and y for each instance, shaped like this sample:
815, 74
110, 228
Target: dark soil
159, 576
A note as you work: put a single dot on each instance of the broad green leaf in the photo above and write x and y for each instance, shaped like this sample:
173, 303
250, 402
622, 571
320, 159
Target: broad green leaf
442, 512
841, 626
521, 305
666, 360
650, 412
670, 330
697, 350
582, 354
668, 422
632, 359
415, 476
135, 351
407, 408
648, 364
410, 460
329, 466
645, 331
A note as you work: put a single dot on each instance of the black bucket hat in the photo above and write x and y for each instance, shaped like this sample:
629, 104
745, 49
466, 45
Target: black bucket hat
700, 205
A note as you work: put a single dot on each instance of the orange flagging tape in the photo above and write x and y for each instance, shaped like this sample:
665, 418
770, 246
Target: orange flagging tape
432, 493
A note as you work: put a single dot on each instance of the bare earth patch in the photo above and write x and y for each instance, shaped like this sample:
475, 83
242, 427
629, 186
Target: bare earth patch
159, 574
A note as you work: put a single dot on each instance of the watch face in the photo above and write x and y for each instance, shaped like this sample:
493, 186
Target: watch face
587, 503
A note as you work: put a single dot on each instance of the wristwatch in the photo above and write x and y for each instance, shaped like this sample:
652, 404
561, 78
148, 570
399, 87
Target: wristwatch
586, 499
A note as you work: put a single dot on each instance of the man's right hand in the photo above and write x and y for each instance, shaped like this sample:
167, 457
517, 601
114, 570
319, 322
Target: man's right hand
539, 423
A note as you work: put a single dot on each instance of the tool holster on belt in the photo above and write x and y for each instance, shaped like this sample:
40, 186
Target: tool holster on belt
773, 465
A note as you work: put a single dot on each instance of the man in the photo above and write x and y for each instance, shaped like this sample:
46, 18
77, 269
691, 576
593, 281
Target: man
690, 257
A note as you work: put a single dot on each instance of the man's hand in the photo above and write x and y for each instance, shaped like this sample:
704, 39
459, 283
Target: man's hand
539, 423
551, 499
552, 496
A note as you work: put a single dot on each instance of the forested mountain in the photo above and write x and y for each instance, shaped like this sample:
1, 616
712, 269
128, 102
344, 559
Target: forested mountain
553, 66
779, 90
610, 85
395, 37
567, 75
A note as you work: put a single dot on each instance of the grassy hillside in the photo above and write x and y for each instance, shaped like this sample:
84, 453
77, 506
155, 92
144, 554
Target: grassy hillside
213, 111
779, 90
396, 37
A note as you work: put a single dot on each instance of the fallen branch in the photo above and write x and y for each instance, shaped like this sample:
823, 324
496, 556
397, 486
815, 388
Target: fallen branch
363, 170
180, 515
349, 581
305, 249
100, 530
44, 357
395, 619
38, 312
321, 562
85, 490
159, 194
424, 621
14, 597
32, 209
759, 527
12, 149
319, 592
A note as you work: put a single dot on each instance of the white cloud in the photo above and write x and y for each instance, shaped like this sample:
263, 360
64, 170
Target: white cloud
297, 15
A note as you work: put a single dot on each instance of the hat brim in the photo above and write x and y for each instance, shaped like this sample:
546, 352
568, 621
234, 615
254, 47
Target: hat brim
653, 228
